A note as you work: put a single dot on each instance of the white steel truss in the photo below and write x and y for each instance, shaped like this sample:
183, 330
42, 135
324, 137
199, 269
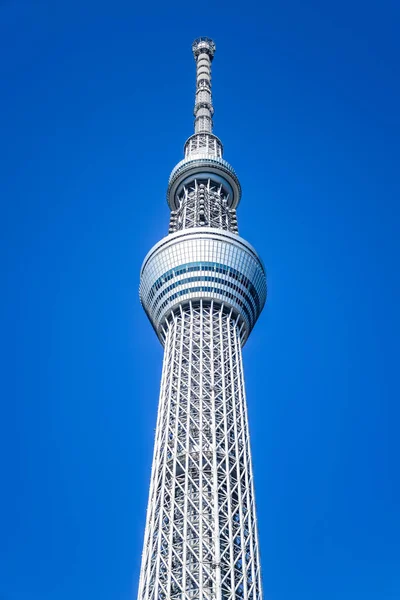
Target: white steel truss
201, 533
203, 288
203, 203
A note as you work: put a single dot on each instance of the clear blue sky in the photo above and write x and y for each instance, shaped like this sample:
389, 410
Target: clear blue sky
96, 103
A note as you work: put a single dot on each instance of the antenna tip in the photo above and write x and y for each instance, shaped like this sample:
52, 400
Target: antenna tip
203, 44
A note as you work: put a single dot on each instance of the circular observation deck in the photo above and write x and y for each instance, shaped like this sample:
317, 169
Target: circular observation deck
203, 167
203, 264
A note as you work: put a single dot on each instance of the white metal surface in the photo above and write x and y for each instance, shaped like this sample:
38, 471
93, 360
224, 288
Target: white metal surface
203, 288
206, 263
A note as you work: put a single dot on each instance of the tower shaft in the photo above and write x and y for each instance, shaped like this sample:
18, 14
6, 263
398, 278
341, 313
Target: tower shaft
201, 536
203, 288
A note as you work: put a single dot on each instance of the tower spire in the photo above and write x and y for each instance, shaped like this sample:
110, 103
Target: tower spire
203, 143
203, 51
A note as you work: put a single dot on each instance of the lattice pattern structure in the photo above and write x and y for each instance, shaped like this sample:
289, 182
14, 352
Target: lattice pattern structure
201, 534
203, 144
203, 203
203, 288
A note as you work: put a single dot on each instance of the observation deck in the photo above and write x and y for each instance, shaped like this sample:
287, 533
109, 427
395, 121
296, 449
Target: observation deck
204, 167
203, 264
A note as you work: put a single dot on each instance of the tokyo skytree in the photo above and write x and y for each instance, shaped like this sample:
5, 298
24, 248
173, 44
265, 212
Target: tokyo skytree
203, 288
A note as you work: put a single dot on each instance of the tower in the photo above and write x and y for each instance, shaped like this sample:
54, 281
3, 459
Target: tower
203, 288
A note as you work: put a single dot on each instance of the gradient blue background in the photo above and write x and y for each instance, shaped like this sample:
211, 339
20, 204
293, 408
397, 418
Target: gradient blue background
96, 103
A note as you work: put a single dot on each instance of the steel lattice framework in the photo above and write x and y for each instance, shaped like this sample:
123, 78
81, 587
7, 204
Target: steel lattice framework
203, 288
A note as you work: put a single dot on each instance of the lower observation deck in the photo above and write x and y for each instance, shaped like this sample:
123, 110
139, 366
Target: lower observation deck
203, 264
